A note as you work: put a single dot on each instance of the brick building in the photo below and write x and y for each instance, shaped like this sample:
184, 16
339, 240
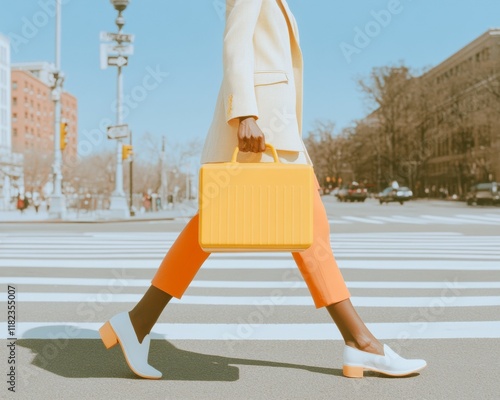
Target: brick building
450, 143
468, 150
33, 111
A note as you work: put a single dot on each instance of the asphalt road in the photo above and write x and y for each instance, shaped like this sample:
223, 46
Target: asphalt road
425, 277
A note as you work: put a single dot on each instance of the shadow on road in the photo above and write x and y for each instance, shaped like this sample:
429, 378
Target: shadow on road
88, 358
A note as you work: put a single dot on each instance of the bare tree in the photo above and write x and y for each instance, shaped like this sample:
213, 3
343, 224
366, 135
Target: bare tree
324, 149
37, 170
388, 89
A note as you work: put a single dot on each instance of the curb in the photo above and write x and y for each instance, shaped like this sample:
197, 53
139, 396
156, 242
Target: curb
97, 221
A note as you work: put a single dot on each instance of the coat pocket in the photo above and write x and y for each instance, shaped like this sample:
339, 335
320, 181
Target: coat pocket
262, 78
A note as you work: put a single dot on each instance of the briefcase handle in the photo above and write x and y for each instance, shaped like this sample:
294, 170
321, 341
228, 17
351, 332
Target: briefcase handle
269, 146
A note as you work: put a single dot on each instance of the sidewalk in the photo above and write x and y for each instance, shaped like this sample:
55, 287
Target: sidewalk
181, 210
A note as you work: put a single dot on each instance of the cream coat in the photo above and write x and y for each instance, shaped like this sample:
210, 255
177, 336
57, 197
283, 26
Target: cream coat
262, 77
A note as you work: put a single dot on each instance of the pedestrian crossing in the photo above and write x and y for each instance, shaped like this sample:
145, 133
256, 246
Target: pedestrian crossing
455, 219
439, 284
492, 219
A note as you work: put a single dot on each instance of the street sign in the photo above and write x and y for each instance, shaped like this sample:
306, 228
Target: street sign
122, 50
116, 37
120, 61
118, 131
109, 50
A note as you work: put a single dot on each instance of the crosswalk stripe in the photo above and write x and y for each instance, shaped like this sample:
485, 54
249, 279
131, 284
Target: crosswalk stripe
364, 220
96, 282
493, 219
390, 220
435, 264
161, 241
277, 298
450, 220
340, 250
162, 237
59, 332
161, 246
496, 217
411, 220
338, 221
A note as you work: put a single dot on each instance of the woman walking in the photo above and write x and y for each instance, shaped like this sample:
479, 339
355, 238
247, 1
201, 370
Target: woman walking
260, 101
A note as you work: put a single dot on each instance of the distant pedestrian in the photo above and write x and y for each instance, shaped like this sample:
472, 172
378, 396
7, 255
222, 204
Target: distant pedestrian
146, 202
20, 203
36, 204
26, 202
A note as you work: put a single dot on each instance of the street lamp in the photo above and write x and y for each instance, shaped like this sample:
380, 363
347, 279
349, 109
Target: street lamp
57, 200
119, 59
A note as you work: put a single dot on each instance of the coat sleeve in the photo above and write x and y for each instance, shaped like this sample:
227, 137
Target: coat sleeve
238, 58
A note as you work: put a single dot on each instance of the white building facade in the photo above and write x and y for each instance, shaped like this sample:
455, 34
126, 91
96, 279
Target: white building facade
5, 131
11, 164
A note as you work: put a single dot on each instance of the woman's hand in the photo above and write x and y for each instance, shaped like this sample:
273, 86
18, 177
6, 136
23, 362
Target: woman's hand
250, 137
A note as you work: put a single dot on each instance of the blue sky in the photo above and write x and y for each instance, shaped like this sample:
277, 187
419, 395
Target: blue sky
184, 39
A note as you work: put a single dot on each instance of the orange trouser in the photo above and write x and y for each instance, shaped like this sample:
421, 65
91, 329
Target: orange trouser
316, 264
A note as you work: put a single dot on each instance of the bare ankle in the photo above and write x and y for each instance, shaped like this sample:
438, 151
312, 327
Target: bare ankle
369, 345
139, 329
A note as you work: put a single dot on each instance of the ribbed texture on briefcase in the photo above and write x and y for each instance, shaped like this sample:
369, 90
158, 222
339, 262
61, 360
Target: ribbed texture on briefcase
240, 213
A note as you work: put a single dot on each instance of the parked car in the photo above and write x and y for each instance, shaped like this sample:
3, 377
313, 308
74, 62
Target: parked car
352, 192
390, 194
484, 193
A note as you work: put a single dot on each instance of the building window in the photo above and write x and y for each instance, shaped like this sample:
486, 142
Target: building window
14, 101
14, 117
14, 132
14, 85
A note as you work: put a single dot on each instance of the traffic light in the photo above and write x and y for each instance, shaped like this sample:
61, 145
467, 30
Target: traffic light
63, 135
127, 151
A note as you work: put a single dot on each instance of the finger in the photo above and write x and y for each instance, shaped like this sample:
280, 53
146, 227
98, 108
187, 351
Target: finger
262, 143
246, 145
255, 145
258, 144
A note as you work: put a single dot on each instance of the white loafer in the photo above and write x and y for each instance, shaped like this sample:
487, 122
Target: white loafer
391, 363
119, 329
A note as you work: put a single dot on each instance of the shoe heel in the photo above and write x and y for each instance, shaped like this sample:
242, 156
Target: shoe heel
352, 372
108, 335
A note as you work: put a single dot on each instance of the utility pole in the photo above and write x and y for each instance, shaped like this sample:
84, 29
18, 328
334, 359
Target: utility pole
57, 201
131, 181
188, 181
163, 174
116, 54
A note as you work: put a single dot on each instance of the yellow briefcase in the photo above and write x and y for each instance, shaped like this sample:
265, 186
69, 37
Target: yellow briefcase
255, 206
